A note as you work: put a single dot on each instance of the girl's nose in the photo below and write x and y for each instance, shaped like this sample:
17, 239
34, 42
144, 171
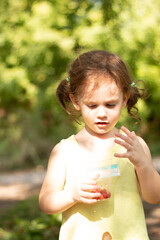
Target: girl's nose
101, 112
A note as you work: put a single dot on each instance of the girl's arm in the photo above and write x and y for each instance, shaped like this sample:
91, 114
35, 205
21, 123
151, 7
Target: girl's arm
52, 195
139, 154
54, 198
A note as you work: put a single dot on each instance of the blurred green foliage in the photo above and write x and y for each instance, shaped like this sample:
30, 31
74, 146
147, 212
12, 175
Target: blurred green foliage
25, 222
38, 39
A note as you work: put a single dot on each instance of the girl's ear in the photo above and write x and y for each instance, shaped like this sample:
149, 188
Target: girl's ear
125, 100
75, 104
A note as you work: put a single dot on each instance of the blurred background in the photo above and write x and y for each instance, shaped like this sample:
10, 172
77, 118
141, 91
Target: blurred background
38, 40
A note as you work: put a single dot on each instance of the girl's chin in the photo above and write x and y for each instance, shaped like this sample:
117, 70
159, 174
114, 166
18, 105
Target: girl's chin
100, 132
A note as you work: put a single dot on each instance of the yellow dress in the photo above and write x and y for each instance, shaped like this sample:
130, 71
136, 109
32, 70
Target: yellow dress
121, 216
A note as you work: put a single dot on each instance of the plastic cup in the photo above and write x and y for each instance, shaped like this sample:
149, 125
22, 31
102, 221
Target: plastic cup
104, 182
102, 168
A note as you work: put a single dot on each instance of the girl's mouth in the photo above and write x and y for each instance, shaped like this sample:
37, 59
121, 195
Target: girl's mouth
101, 123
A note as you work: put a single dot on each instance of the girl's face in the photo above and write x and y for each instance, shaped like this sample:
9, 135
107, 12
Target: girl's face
101, 108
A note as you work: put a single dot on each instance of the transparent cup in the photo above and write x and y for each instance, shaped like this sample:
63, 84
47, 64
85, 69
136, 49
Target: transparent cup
102, 168
104, 181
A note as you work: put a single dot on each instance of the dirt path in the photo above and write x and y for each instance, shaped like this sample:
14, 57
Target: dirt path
18, 186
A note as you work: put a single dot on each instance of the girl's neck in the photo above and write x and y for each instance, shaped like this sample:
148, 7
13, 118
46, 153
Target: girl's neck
95, 143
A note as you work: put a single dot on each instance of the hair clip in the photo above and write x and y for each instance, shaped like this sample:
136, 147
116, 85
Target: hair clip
68, 79
133, 84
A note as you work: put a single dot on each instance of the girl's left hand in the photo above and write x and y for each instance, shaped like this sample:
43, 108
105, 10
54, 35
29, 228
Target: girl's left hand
139, 155
135, 150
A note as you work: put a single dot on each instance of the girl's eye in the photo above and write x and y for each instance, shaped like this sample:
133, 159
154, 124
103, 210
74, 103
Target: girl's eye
92, 106
111, 105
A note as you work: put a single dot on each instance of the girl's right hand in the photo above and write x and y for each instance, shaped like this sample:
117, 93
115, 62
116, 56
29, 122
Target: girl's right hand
86, 190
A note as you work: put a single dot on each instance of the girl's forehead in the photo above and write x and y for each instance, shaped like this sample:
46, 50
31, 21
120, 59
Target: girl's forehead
101, 89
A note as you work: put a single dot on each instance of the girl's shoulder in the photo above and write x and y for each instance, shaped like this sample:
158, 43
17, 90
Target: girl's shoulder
67, 143
64, 145
61, 151
68, 139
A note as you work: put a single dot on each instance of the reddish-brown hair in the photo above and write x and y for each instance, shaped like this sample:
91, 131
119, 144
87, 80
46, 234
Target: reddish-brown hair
94, 63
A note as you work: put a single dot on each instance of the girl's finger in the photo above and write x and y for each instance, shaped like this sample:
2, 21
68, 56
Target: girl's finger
123, 137
88, 187
128, 133
89, 182
123, 144
94, 175
91, 178
90, 194
122, 155
88, 201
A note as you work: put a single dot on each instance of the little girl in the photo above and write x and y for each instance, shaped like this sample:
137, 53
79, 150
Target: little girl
97, 88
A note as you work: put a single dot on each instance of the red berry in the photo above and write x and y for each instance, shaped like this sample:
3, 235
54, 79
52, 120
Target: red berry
109, 194
105, 194
101, 197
